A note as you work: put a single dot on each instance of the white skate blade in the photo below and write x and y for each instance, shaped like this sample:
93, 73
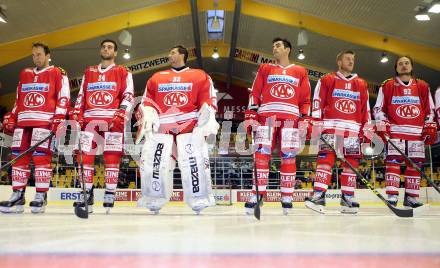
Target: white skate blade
14, 209
37, 210
348, 210
317, 208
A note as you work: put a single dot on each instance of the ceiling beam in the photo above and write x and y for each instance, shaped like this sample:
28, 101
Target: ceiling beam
234, 36
196, 31
422, 54
18, 49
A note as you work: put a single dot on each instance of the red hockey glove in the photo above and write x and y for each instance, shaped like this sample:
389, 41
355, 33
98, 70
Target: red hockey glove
305, 126
118, 121
383, 129
250, 119
367, 132
76, 115
429, 133
58, 121
9, 122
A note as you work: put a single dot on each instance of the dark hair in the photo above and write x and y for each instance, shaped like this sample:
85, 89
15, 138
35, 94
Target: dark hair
43, 46
286, 43
182, 50
410, 60
110, 41
342, 53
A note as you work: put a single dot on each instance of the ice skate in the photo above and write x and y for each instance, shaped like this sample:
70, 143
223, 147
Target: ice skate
250, 205
15, 204
348, 205
393, 199
411, 202
316, 202
286, 204
109, 201
90, 200
38, 205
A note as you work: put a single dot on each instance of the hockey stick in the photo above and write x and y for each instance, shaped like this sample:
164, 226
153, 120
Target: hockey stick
405, 213
413, 164
82, 213
30, 149
257, 210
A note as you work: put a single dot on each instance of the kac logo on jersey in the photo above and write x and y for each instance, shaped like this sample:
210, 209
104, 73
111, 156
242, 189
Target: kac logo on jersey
177, 99
345, 106
408, 111
34, 100
282, 91
101, 98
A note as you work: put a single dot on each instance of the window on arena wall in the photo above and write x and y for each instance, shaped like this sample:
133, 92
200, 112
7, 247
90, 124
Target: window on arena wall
215, 24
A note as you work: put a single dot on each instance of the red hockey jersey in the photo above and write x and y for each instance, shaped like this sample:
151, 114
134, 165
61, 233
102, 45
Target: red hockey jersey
342, 103
104, 91
178, 95
281, 91
407, 107
40, 95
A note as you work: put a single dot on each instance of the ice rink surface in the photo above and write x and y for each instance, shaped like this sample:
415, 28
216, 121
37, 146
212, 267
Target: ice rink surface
221, 236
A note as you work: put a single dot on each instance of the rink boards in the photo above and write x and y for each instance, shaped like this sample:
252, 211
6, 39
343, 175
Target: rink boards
366, 197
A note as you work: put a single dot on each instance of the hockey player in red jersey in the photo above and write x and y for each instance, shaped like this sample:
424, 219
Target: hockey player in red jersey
340, 105
280, 96
104, 100
404, 104
42, 100
179, 105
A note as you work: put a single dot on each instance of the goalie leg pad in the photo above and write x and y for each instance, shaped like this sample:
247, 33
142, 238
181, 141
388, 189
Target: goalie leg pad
192, 154
154, 169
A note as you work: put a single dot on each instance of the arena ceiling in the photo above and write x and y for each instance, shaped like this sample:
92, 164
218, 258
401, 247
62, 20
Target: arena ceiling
73, 29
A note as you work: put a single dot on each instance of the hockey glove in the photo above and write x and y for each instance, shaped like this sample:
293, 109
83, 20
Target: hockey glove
9, 122
206, 124
58, 121
147, 122
429, 133
118, 121
250, 118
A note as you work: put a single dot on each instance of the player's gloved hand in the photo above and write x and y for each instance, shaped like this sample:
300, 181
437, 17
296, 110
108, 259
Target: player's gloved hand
250, 118
429, 133
76, 115
58, 123
206, 124
305, 125
9, 122
118, 121
366, 133
383, 129
147, 122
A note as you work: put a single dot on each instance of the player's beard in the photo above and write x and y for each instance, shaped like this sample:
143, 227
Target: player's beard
107, 58
405, 73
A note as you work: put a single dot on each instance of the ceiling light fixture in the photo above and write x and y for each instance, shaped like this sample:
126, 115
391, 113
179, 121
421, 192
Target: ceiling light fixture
126, 55
384, 58
301, 55
435, 8
3, 17
215, 54
422, 14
